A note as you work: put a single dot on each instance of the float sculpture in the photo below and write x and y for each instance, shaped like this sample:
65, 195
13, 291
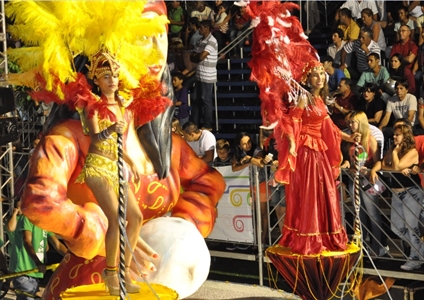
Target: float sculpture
59, 35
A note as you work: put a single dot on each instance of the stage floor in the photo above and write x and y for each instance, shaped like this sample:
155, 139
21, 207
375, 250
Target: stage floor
212, 290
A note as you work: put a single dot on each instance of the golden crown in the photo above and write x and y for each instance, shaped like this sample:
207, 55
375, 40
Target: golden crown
310, 67
102, 63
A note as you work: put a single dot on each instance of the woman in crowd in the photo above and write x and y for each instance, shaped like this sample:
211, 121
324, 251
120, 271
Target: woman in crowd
313, 152
369, 155
103, 121
371, 103
401, 157
398, 71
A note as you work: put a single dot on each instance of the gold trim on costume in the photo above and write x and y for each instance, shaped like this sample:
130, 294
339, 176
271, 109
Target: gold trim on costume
102, 63
314, 233
101, 167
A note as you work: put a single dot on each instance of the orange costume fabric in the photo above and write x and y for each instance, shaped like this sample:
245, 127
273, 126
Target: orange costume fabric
54, 202
313, 219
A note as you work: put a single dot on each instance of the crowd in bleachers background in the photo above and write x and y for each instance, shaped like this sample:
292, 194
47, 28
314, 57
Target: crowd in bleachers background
362, 48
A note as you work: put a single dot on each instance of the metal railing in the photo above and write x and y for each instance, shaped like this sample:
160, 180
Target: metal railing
398, 250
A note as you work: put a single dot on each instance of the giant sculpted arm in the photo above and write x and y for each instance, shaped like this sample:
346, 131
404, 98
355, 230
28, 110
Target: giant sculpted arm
46, 201
203, 187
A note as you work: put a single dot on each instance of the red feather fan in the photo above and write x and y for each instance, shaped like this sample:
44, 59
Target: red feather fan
279, 52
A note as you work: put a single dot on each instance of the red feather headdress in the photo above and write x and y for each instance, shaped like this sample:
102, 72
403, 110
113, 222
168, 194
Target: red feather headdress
279, 52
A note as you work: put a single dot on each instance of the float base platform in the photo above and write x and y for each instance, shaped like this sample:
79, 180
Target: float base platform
97, 291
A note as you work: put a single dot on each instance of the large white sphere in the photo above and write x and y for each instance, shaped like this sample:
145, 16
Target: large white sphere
184, 259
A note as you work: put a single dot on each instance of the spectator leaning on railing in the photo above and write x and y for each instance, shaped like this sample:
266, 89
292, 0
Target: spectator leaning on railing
401, 157
369, 155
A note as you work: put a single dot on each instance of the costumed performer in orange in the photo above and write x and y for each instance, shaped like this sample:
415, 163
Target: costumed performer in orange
103, 120
52, 199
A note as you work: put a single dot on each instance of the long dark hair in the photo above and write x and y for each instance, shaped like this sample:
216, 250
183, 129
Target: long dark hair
238, 152
400, 72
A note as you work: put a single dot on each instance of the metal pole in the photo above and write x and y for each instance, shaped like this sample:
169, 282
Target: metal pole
257, 200
357, 226
122, 220
216, 106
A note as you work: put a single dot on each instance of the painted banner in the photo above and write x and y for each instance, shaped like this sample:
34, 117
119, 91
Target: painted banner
235, 221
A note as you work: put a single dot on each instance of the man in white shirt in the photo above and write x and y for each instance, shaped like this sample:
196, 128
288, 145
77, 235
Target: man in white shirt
356, 6
203, 142
334, 49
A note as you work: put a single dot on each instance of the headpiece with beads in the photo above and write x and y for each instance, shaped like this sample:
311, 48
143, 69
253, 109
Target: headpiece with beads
310, 67
102, 63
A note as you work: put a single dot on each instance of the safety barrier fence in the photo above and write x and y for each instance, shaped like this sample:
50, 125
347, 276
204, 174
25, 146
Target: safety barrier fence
384, 228
239, 220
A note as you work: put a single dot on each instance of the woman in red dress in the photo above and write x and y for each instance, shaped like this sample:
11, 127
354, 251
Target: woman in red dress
313, 220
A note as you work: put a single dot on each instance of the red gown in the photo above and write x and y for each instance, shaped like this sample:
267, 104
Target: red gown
313, 219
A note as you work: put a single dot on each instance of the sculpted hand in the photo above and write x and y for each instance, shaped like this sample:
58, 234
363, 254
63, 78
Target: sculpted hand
143, 255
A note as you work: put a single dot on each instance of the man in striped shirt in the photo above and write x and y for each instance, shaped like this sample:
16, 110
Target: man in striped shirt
206, 56
359, 48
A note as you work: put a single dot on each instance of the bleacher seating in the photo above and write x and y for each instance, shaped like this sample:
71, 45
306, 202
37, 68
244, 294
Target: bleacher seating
238, 104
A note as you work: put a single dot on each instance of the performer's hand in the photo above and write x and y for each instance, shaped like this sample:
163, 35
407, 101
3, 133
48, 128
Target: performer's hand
292, 149
118, 127
354, 136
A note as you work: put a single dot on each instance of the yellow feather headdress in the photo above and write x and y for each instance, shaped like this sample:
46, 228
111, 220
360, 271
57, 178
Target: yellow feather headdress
55, 32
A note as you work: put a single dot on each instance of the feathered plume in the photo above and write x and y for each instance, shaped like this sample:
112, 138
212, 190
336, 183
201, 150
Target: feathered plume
279, 52
56, 31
